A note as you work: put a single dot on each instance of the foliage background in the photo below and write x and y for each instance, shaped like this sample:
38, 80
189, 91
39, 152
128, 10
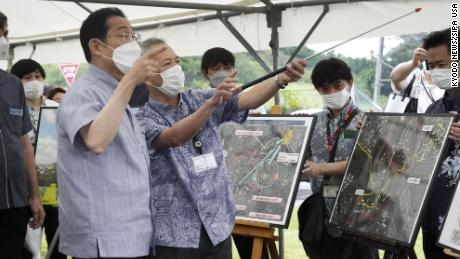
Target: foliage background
300, 95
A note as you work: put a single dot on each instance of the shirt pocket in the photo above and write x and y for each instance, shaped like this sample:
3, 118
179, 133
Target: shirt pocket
15, 120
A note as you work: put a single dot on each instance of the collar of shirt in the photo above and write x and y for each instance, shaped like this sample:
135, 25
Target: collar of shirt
451, 102
330, 114
163, 107
103, 76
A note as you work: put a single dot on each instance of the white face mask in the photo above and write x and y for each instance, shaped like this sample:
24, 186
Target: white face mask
217, 78
173, 81
337, 101
441, 77
34, 89
4, 48
125, 55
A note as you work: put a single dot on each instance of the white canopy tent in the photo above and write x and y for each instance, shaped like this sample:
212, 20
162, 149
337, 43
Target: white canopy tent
48, 30
52, 26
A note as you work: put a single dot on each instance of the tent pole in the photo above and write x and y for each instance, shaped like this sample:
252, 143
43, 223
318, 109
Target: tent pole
319, 2
173, 4
246, 44
84, 7
273, 22
378, 71
310, 32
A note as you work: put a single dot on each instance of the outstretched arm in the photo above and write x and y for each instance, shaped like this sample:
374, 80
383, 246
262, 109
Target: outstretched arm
187, 128
265, 90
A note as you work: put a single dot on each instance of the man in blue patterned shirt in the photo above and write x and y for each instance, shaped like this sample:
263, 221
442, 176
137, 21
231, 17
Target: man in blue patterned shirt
192, 202
437, 46
329, 152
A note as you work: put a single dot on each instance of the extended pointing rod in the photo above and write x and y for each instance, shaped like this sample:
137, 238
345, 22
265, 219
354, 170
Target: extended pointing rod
274, 73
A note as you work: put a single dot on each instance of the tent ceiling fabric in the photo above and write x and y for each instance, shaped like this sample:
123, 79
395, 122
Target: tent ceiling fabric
343, 21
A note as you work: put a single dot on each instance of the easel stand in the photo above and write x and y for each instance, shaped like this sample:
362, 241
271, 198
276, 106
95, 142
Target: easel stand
53, 244
398, 251
260, 232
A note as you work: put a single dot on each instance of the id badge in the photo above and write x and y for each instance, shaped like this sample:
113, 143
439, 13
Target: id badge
330, 191
204, 162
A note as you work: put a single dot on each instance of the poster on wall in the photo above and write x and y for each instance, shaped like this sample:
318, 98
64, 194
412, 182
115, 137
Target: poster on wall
389, 174
46, 155
450, 233
264, 157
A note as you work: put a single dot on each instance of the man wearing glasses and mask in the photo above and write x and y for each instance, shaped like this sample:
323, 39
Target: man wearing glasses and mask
103, 163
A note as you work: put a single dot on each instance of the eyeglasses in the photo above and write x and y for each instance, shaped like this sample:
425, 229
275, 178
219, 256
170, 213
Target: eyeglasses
128, 36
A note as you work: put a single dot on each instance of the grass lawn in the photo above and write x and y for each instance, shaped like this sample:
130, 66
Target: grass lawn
292, 246
293, 249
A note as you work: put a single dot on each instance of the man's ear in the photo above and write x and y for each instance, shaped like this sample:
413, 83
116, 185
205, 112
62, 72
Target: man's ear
96, 48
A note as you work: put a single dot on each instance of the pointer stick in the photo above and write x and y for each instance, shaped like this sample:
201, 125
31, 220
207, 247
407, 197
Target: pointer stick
274, 73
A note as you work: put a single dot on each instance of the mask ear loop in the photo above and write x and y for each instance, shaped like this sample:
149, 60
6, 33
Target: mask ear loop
106, 45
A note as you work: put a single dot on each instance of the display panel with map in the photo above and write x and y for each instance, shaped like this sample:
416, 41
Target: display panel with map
264, 157
389, 174
46, 155
450, 233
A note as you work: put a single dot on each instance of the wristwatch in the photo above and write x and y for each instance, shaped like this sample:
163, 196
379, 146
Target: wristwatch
278, 82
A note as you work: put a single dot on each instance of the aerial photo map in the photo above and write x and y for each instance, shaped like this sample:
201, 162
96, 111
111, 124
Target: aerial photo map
388, 175
450, 234
264, 158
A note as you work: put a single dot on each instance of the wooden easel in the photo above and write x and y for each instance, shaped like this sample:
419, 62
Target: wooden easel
260, 232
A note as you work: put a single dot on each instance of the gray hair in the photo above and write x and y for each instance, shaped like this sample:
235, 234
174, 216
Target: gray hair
148, 43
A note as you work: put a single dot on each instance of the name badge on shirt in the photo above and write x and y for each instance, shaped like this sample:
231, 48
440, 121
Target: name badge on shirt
16, 111
204, 162
330, 191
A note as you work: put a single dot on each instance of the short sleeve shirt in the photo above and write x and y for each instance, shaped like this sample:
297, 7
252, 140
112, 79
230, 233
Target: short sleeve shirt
104, 200
425, 93
14, 123
318, 146
184, 200
444, 180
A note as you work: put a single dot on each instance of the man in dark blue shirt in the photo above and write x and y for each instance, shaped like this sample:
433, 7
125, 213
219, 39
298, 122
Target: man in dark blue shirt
437, 46
18, 180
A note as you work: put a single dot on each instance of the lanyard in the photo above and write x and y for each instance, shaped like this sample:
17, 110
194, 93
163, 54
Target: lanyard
332, 139
426, 90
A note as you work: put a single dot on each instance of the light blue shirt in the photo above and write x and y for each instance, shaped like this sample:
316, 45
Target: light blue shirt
104, 200
183, 200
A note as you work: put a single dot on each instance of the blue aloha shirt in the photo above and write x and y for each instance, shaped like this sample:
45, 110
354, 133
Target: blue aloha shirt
444, 180
318, 152
183, 201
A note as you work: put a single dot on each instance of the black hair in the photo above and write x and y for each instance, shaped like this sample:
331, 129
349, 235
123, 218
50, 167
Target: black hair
54, 91
95, 27
330, 70
437, 38
215, 56
27, 66
3, 21
148, 43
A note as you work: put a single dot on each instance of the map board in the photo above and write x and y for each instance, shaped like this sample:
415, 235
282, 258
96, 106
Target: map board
450, 233
265, 157
389, 175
